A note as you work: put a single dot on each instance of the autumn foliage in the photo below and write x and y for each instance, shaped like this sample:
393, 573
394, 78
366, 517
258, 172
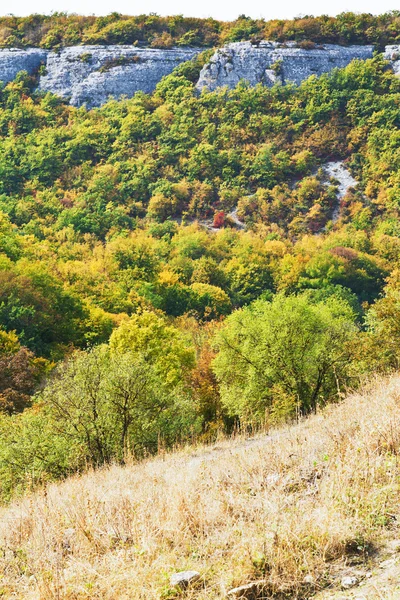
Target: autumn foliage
136, 311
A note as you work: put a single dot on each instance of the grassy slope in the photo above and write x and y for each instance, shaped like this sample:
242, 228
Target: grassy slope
305, 500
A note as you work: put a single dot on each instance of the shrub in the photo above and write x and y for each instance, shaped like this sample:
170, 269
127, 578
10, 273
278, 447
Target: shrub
286, 352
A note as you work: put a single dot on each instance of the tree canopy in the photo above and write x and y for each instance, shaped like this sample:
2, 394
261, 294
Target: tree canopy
177, 264
287, 355
62, 29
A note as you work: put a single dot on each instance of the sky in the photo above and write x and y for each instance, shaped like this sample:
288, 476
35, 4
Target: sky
224, 10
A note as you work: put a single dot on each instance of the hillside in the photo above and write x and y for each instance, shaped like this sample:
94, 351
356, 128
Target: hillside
181, 269
296, 510
60, 29
91, 75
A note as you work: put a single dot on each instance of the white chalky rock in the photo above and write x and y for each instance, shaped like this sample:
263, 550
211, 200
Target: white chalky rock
89, 75
349, 582
269, 63
184, 578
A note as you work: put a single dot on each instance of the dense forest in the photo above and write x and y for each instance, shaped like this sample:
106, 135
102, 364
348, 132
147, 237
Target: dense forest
135, 311
61, 29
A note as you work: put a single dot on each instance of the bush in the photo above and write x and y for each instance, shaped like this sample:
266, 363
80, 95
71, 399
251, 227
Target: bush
98, 407
20, 373
111, 404
286, 355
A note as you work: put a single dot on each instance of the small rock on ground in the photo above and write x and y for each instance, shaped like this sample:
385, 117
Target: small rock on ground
394, 546
349, 582
250, 591
184, 578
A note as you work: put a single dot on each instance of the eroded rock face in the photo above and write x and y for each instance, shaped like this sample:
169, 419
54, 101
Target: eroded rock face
270, 62
392, 53
91, 74
14, 60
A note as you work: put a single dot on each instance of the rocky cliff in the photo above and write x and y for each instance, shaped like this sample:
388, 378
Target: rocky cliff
91, 74
392, 53
270, 62
14, 60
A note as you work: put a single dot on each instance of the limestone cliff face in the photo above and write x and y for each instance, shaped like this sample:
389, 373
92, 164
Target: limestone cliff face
270, 62
392, 53
14, 60
90, 74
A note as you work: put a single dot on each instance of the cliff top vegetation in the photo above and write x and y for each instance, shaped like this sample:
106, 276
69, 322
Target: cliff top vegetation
61, 29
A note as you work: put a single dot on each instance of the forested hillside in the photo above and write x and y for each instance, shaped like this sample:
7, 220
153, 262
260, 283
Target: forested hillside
61, 29
179, 264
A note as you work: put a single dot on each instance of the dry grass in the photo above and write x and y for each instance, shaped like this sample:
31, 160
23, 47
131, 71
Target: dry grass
278, 508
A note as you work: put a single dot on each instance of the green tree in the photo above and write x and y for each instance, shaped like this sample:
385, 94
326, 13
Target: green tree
109, 404
361, 273
31, 453
9, 242
35, 305
209, 301
382, 342
286, 355
160, 344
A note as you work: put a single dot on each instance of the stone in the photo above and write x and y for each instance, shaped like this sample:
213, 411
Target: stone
348, 582
91, 74
394, 546
14, 60
309, 580
184, 579
271, 62
250, 591
392, 53
386, 564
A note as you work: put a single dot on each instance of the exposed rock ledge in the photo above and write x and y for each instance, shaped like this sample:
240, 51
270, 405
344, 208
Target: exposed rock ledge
392, 53
270, 62
14, 60
91, 74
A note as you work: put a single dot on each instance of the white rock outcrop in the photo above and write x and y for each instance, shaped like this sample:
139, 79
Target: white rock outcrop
14, 60
392, 53
270, 62
89, 75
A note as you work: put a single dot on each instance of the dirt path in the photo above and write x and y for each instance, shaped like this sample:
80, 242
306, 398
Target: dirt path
381, 581
234, 216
